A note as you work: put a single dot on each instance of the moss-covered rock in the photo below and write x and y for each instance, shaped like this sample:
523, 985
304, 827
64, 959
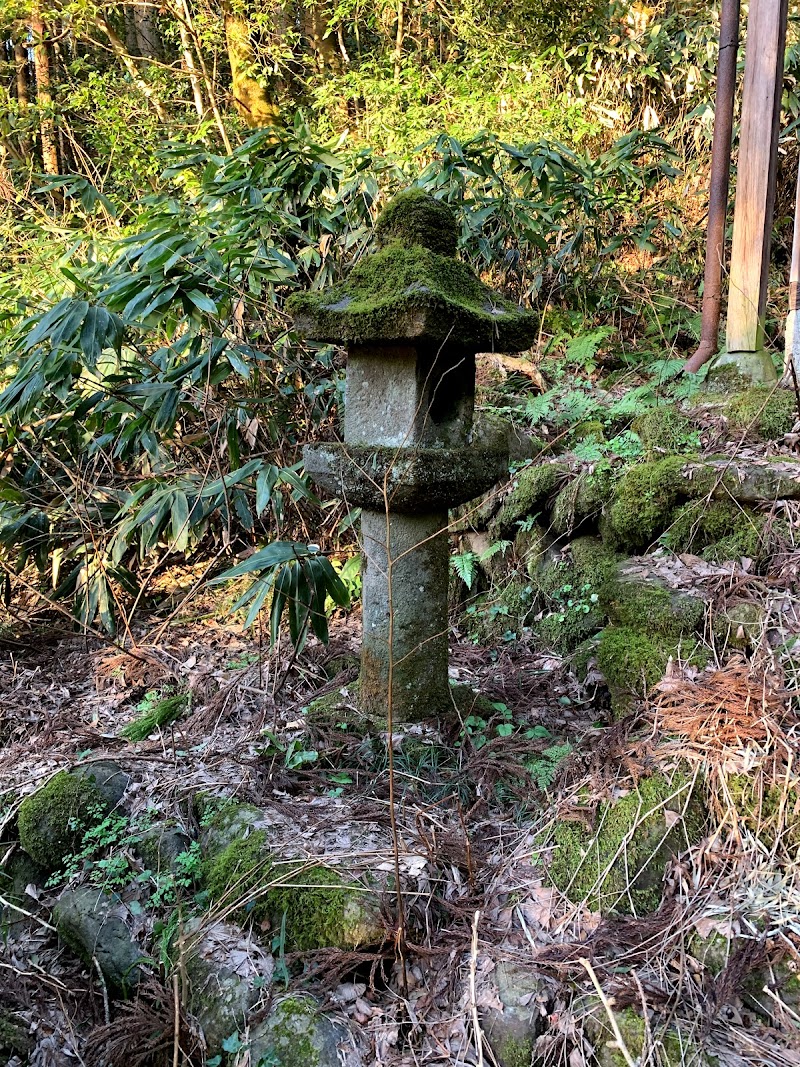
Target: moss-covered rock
646, 497
740, 624
321, 909
513, 1029
532, 489
570, 590
15, 1037
619, 866
632, 662
87, 921
765, 412
222, 986
641, 602
53, 820
297, 1034
671, 1048
768, 809
666, 429
579, 504
719, 530
109, 778
588, 430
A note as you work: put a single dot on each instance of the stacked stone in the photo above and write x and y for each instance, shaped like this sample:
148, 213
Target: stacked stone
412, 318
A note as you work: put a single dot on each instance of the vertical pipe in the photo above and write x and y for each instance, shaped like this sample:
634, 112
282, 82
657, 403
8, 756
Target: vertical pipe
792, 349
720, 180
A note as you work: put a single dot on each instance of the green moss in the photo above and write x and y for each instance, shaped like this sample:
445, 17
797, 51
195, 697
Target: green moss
534, 485
765, 412
581, 501
632, 661
588, 430
414, 287
671, 1049
15, 1038
292, 1032
157, 711
414, 217
620, 866
53, 820
515, 1053
632, 601
718, 530
766, 809
570, 591
319, 908
665, 429
645, 499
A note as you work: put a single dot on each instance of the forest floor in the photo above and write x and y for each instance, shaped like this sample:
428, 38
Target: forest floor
565, 872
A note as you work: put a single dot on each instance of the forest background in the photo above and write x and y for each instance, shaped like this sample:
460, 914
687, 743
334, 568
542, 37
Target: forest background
171, 172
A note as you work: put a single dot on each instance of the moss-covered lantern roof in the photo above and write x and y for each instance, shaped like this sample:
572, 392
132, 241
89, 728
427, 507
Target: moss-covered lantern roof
413, 289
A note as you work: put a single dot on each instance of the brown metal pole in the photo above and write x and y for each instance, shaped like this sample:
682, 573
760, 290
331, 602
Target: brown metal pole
720, 180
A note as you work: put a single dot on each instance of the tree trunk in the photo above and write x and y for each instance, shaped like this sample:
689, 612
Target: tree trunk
315, 25
148, 38
23, 94
249, 96
118, 48
189, 63
131, 40
44, 99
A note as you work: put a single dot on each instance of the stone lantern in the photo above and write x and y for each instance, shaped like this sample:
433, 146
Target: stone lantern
412, 318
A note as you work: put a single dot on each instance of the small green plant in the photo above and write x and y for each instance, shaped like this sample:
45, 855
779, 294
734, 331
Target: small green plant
465, 564
156, 711
111, 832
294, 755
570, 599
543, 769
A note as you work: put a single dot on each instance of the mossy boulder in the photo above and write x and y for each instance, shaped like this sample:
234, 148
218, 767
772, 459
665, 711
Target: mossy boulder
15, 1037
108, 777
297, 1034
570, 591
632, 661
765, 412
320, 907
619, 866
161, 845
579, 504
635, 599
222, 986
533, 486
719, 530
513, 1030
645, 499
665, 429
88, 921
53, 820
670, 1047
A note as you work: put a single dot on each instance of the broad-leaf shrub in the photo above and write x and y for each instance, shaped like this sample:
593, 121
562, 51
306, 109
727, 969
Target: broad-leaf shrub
156, 397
